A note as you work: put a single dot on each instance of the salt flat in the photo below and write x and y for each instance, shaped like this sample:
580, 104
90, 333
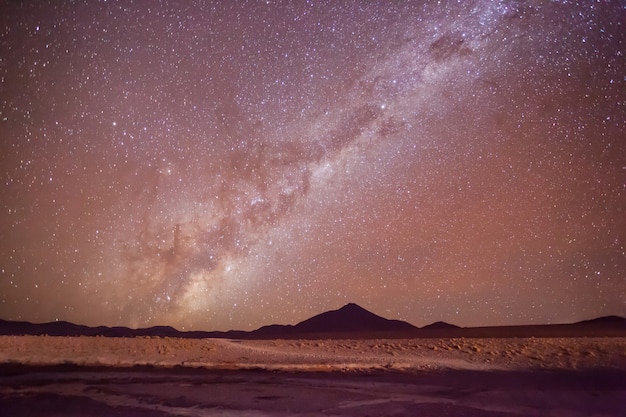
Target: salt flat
221, 377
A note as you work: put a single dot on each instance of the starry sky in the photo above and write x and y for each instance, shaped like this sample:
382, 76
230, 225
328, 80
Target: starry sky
216, 165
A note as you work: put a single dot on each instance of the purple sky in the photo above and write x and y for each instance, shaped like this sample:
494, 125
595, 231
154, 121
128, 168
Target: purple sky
230, 164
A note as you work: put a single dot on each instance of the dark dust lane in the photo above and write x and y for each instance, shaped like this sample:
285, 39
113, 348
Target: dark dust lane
147, 391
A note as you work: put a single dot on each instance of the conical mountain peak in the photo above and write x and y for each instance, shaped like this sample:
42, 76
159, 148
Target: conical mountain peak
350, 318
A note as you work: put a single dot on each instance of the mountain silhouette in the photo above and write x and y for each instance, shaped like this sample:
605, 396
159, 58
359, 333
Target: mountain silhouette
351, 318
439, 325
64, 328
350, 321
605, 321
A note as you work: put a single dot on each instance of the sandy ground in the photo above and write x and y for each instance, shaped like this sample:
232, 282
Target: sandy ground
42, 375
318, 355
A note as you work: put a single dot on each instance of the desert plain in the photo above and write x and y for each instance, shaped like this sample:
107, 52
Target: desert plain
163, 376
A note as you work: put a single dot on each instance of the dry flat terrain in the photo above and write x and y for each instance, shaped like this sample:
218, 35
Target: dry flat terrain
318, 355
154, 376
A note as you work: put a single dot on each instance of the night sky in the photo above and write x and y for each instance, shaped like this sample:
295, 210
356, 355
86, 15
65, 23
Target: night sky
231, 164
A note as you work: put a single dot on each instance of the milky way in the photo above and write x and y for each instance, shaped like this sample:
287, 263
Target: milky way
220, 165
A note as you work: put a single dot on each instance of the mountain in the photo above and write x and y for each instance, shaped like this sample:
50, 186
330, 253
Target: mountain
604, 321
55, 328
63, 328
348, 320
273, 331
351, 318
440, 325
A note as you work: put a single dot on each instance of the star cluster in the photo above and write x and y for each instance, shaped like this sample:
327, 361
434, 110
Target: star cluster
220, 165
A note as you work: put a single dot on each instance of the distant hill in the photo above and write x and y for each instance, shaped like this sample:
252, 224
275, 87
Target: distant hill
56, 328
63, 328
604, 321
440, 325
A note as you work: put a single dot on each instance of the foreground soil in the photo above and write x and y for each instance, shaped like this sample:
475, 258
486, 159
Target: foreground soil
95, 376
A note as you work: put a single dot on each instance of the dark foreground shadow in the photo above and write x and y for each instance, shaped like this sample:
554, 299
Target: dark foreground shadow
69, 390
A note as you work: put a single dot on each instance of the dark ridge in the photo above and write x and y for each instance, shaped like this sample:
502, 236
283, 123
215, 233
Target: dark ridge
273, 331
350, 321
158, 331
606, 320
55, 328
440, 325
